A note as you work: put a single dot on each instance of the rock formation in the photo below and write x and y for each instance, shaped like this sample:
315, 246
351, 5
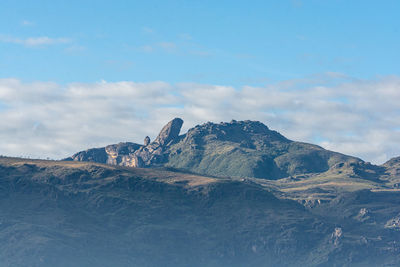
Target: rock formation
146, 141
153, 153
169, 132
336, 236
234, 149
132, 154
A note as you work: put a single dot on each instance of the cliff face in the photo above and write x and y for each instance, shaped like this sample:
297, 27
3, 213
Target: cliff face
132, 154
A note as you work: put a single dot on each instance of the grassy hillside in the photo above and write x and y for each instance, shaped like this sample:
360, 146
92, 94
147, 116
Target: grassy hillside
248, 149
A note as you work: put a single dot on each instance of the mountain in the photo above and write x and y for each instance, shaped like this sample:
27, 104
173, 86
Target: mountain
235, 149
63, 213
227, 194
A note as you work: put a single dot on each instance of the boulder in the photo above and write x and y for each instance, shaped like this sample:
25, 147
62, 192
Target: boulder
146, 141
153, 153
169, 132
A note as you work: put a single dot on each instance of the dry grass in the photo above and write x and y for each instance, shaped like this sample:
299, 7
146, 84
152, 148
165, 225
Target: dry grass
188, 180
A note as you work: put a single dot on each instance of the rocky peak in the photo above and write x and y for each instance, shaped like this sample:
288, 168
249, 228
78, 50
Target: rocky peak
134, 155
146, 141
169, 132
154, 153
234, 131
246, 126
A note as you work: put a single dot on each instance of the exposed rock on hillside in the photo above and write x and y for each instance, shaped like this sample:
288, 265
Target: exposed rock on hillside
336, 236
393, 223
132, 154
169, 132
153, 154
146, 141
117, 154
92, 155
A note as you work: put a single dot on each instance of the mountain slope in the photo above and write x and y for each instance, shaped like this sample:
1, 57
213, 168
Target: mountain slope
87, 214
81, 214
235, 149
248, 149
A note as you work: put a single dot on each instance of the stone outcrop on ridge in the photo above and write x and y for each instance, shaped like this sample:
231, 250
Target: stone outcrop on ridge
132, 154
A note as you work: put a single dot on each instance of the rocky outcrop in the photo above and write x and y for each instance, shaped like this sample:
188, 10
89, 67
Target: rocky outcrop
336, 236
119, 154
146, 141
91, 155
169, 132
154, 153
363, 215
393, 223
132, 154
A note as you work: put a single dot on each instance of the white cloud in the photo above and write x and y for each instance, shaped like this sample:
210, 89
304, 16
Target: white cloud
27, 23
167, 46
34, 41
357, 117
75, 49
162, 46
147, 48
185, 36
148, 30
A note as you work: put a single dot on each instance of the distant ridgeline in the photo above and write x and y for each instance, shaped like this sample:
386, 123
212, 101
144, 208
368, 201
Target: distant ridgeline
235, 149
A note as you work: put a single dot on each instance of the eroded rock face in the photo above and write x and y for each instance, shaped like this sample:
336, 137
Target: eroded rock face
132, 154
92, 155
117, 154
336, 236
393, 223
169, 132
154, 153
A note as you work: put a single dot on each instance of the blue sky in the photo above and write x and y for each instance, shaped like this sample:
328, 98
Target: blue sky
80, 74
214, 42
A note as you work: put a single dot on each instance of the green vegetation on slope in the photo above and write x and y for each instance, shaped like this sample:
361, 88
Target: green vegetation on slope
248, 149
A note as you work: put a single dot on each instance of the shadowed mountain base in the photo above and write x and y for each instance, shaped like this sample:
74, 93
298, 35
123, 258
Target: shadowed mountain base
86, 214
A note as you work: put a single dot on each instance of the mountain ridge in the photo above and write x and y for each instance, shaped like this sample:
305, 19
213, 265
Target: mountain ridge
212, 149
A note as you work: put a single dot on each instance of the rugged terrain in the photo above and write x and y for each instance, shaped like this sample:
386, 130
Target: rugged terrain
235, 149
228, 194
56, 213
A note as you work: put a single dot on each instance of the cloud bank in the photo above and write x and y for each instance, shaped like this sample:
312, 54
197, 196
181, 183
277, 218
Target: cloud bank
43, 119
34, 41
